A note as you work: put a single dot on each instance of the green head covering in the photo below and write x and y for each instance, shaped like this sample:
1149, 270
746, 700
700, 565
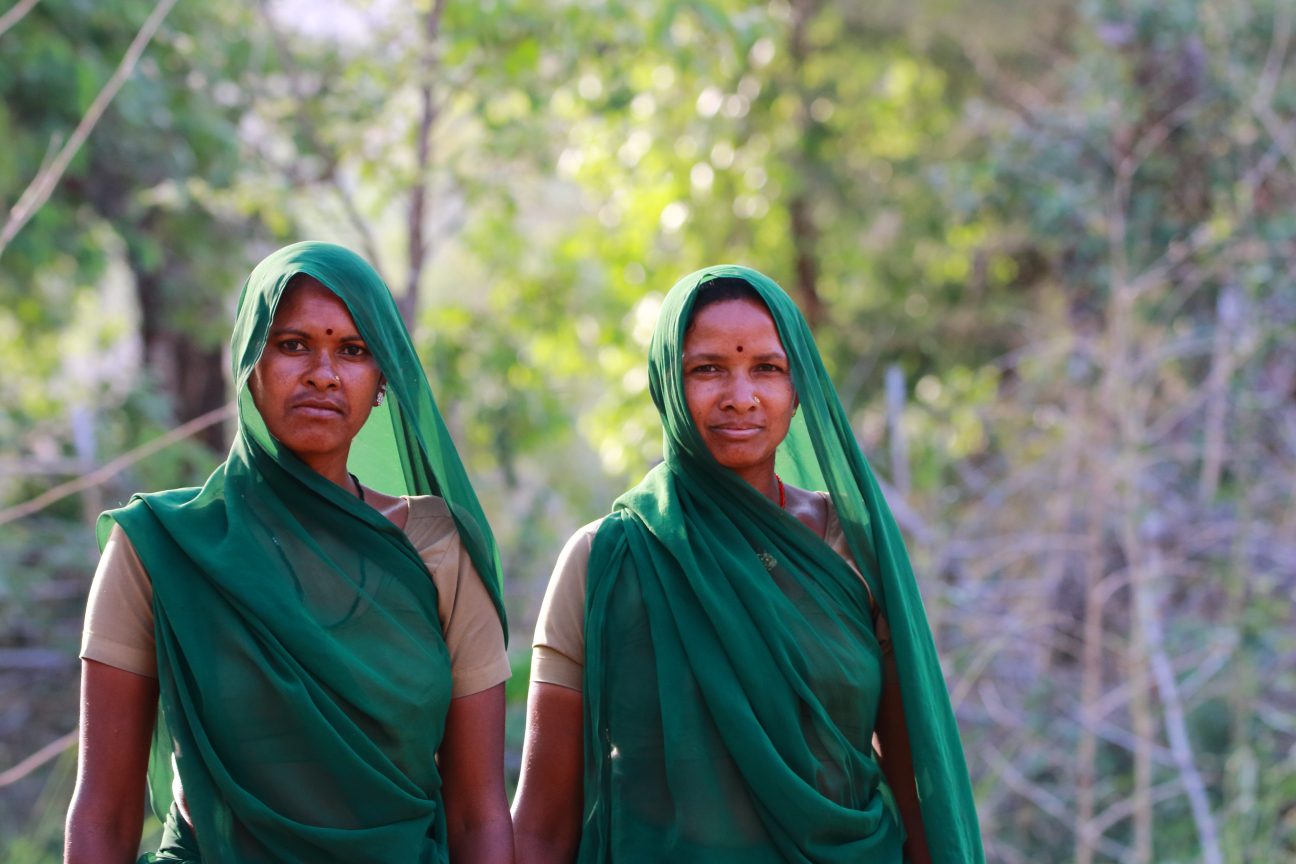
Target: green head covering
732, 670
303, 673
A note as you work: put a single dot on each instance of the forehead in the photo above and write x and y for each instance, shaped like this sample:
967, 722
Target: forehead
307, 301
742, 321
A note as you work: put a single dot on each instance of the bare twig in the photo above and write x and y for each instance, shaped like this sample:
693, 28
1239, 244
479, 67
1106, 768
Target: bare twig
15, 14
1282, 135
1045, 800
1124, 808
1125, 739
367, 239
895, 402
1175, 724
1091, 669
1216, 389
50, 751
1277, 55
972, 670
1144, 722
40, 189
121, 463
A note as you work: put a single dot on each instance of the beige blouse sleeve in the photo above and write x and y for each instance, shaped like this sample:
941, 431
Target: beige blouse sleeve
468, 618
558, 655
119, 617
559, 644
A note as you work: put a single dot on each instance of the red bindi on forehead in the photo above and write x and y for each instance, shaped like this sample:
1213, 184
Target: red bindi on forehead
328, 332
739, 349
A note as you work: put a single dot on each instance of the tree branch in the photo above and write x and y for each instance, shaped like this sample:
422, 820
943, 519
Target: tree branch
40, 757
1175, 723
15, 14
350, 210
116, 466
40, 189
1044, 800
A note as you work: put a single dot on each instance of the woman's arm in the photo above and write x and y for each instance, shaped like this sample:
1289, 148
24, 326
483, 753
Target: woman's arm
897, 763
472, 772
107, 812
550, 797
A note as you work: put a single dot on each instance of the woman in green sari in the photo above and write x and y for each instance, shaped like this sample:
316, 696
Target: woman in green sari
730, 667
324, 660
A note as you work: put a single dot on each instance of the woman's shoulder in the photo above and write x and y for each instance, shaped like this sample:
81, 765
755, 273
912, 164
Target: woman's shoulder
585, 533
119, 552
429, 523
140, 512
576, 551
835, 537
832, 525
427, 507
834, 533
813, 509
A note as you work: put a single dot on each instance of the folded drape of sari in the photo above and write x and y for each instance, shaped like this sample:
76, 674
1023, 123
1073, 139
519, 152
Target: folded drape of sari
304, 679
732, 671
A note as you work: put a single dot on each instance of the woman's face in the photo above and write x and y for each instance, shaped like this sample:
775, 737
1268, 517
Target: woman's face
316, 381
738, 385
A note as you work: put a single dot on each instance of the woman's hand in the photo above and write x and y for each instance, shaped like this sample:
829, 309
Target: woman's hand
471, 759
107, 812
550, 797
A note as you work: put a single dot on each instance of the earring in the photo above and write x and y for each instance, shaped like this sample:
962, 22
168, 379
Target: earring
382, 394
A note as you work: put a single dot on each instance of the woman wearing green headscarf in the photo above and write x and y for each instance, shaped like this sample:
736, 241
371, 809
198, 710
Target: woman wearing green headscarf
324, 660
749, 661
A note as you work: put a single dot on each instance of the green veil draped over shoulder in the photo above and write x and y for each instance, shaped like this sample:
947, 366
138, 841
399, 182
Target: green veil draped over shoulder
732, 670
304, 679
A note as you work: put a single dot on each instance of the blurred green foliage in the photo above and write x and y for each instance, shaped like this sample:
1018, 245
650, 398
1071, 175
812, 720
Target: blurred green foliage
1066, 228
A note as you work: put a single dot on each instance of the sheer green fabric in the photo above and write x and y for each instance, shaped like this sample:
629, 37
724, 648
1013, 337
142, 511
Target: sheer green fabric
732, 672
303, 673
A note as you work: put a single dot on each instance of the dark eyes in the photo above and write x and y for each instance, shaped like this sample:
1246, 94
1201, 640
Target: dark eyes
715, 369
350, 349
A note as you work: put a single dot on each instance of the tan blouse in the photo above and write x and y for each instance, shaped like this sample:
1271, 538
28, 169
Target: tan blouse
558, 655
119, 617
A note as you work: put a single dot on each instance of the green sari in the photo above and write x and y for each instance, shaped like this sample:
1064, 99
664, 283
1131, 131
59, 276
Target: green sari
304, 678
732, 672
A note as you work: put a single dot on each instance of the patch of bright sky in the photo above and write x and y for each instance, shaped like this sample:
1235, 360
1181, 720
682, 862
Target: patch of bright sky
332, 20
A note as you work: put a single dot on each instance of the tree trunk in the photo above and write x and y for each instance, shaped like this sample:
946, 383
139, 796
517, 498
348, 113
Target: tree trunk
805, 233
421, 190
191, 374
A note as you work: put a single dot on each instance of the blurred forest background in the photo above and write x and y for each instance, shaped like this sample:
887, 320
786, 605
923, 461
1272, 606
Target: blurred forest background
1047, 247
